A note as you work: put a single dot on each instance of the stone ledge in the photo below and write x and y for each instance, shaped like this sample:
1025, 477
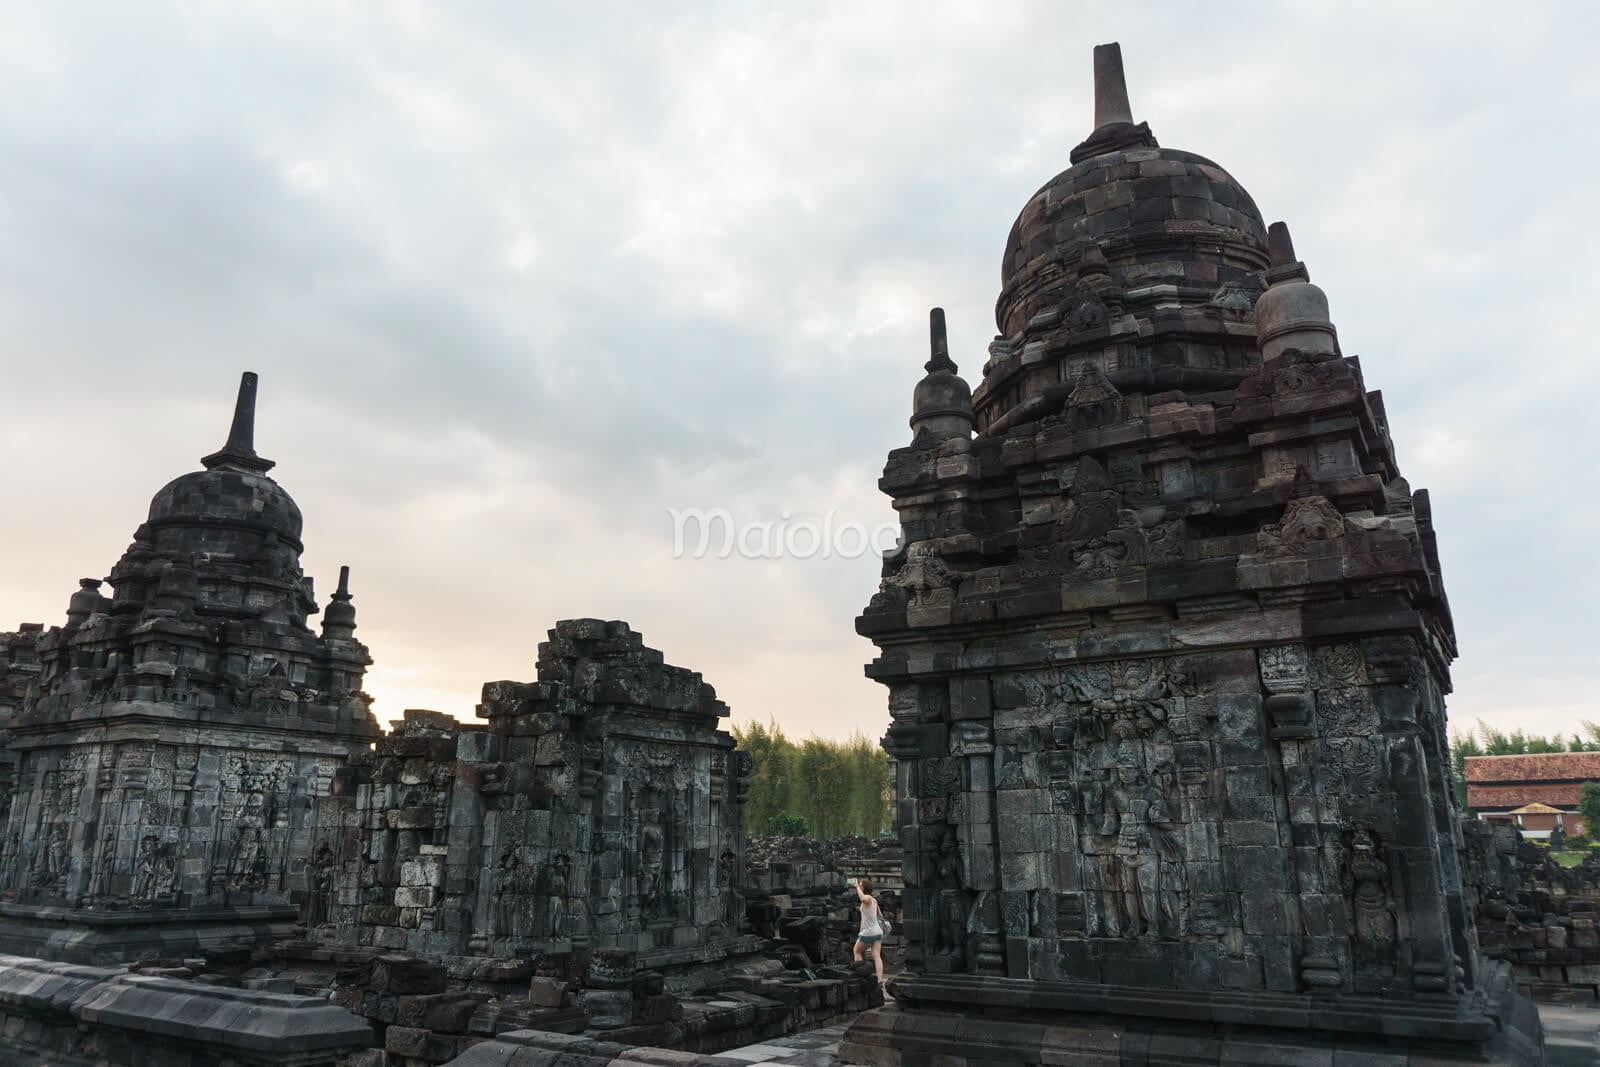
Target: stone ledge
536, 1048
173, 1021
87, 936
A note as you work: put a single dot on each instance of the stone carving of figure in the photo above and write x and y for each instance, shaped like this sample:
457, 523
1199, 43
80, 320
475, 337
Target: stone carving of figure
651, 849
99, 882
57, 857
1146, 852
560, 872
1366, 881
732, 899
247, 864
320, 887
1100, 814
1169, 850
507, 912
951, 928
147, 869
1137, 707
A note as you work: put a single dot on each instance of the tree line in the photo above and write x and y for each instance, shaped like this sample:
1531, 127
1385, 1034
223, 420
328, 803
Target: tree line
816, 787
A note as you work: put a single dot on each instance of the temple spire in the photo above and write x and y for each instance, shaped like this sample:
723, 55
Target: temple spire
1281, 262
941, 405
938, 343
240, 453
1114, 128
1110, 87
339, 621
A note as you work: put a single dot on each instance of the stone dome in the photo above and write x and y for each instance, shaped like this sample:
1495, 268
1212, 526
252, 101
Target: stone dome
233, 493
225, 498
1160, 216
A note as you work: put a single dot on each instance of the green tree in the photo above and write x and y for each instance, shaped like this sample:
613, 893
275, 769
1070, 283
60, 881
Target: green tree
1462, 746
1589, 808
786, 824
769, 793
828, 788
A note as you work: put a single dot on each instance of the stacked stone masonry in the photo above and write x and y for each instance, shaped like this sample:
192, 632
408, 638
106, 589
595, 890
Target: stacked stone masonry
598, 805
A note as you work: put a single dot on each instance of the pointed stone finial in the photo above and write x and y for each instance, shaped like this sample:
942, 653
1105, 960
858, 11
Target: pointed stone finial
938, 343
339, 621
1114, 128
1110, 86
1282, 264
1280, 246
240, 453
941, 405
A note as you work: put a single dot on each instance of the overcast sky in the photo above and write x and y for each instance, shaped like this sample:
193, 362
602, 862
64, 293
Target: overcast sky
519, 278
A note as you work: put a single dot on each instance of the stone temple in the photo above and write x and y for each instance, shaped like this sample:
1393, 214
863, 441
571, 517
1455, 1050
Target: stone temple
1166, 649
178, 735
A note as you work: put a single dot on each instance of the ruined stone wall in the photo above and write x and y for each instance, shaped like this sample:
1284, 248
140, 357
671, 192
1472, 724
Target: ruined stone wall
1541, 918
599, 806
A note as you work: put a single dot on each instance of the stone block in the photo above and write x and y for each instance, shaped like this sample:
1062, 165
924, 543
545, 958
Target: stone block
607, 1008
547, 992
406, 1041
404, 974
415, 897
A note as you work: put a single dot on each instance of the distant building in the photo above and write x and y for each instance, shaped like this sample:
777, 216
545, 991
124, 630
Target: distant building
1536, 792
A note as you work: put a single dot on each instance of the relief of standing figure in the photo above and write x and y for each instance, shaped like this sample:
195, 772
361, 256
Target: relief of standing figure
952, 902
507, 890
651, 850
560, 871
1148, 856
148, 869
1366, 881
320, 894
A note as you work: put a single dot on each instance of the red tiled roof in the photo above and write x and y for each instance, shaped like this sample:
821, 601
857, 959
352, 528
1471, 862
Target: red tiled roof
1545, 767
1507, 797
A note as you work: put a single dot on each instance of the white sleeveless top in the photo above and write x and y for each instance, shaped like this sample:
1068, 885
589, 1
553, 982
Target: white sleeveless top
870, 921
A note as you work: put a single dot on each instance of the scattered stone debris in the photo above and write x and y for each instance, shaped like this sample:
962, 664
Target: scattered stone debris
1535, 914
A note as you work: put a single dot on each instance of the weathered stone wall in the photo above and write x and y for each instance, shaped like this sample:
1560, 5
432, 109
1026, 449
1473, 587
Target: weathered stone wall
599, 806
19, 669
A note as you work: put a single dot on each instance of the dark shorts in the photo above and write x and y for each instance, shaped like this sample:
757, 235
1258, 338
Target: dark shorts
869, 939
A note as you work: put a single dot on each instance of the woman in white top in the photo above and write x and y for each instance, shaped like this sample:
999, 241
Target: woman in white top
871, 925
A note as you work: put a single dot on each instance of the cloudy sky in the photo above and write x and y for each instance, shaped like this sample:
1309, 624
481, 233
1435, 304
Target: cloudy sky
519, 278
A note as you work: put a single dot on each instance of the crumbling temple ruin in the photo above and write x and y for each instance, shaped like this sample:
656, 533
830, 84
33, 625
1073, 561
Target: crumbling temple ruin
199, 782
1166, 648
